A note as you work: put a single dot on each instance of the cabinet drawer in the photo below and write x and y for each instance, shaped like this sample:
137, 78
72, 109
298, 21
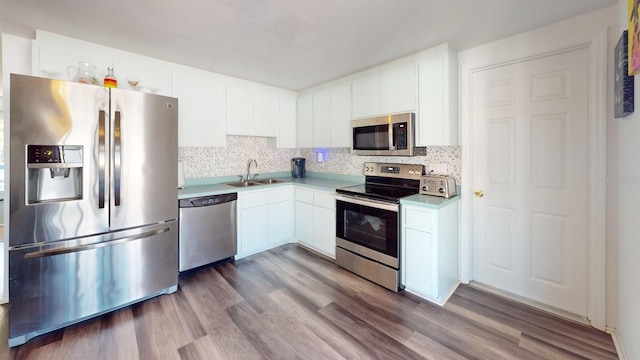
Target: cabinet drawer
325, 200
257, 198
419, 219
304, 195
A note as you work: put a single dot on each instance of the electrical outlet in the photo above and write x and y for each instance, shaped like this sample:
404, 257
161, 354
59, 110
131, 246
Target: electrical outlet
438, 169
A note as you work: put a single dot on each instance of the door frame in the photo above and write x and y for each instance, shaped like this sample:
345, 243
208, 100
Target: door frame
522, 48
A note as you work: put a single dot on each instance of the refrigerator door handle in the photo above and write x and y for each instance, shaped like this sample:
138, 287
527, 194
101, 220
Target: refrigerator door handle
66, 250
117, 154
101, 158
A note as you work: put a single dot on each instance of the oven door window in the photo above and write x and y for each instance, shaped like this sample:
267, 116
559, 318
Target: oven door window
370, 227
375, 137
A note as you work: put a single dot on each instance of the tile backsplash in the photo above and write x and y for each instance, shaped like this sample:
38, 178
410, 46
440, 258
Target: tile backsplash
203, 162
232, 160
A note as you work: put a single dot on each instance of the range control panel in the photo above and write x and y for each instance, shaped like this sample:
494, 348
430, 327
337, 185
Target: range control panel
403, 171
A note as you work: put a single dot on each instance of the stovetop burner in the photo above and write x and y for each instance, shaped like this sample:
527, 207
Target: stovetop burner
387, 182
380, 192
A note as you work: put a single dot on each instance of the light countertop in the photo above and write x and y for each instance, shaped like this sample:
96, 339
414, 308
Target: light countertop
433, 202
318, 181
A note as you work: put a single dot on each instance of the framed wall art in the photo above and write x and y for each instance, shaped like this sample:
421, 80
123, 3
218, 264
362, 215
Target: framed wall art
633, 41
623, 82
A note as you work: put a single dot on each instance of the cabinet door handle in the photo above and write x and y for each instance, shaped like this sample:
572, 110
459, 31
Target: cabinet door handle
479, 193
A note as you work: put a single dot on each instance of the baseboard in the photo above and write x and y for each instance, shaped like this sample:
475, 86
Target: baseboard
434, 301
453, 289
531, 303
616, 342
316, 251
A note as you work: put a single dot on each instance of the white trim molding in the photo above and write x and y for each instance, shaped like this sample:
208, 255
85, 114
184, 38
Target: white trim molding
524, 47
616, 342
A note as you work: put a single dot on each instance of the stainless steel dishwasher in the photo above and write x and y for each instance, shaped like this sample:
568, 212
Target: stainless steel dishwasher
207, 230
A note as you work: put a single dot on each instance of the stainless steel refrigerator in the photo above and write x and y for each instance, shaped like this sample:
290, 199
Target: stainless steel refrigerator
93, 202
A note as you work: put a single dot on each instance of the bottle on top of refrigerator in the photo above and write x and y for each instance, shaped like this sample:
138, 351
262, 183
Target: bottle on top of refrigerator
110, 80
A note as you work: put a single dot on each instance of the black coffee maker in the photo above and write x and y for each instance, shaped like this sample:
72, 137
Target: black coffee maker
297, 167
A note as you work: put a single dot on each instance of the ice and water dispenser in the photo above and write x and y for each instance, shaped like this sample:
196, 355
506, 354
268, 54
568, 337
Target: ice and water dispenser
54, 173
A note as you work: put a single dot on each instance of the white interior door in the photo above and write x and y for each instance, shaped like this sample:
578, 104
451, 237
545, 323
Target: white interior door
529, 132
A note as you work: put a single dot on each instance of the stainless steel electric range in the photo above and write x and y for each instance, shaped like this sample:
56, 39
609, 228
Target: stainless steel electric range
367, 221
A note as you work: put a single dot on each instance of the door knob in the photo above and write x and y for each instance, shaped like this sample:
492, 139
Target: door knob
479, 193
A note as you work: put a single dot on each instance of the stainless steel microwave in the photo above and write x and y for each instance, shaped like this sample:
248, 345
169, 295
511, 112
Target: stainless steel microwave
391, 135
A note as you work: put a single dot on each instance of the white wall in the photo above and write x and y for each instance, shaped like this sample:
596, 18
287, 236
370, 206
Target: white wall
623, 211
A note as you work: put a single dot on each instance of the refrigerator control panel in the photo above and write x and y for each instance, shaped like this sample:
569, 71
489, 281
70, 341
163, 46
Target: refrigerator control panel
54, 154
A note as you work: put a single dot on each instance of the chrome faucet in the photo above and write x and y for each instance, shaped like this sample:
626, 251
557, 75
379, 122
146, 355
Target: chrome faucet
249, 169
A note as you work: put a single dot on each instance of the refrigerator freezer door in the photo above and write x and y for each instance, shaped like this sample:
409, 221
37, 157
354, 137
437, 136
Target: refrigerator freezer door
144, 158
60, 284
48, 112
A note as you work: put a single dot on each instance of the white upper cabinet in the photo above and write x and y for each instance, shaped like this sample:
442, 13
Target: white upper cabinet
239, 107
52, 54
398, 90
322, 118
365, 96
341, 115
437, 122
288, 128
266, 112
305, 121
387, 92
425, 83
201, 108
201, 94
252, 109
328, 113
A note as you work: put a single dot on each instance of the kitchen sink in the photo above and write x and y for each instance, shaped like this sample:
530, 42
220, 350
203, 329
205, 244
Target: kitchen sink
243, 183
271, 181
256, 182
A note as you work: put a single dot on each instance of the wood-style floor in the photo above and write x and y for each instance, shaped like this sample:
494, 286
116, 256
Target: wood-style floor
289, 303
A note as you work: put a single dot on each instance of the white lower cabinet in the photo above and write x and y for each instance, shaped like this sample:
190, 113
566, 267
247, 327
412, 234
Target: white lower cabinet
430, 250
265, 219
304, 223
254, 226
315, 220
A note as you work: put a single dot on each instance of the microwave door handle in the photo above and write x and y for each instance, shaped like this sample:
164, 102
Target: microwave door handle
117, 157
392, 137
101, 158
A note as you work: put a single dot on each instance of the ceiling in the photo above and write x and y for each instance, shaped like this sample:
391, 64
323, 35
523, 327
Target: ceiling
291, 44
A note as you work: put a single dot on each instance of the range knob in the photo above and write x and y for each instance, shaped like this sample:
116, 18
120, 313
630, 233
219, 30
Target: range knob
441, 190
425, 188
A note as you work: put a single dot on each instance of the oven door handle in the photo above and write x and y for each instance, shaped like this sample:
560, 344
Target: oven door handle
368, 202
